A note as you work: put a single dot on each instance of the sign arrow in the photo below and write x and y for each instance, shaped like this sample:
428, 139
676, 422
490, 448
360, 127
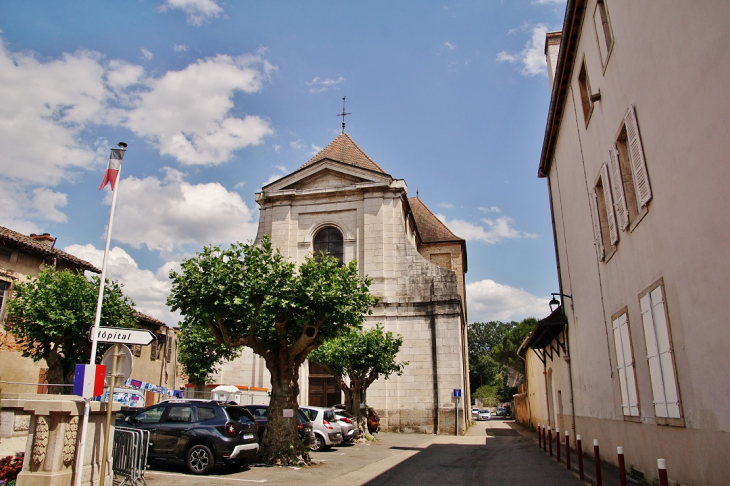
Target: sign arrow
122, 335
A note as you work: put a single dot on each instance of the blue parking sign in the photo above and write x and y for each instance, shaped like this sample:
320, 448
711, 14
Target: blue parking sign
457, 392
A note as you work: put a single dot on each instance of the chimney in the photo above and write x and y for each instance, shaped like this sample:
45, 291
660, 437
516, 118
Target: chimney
552, 48
45, 239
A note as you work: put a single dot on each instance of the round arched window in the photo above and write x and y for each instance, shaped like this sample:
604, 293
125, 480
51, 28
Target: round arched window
329, 240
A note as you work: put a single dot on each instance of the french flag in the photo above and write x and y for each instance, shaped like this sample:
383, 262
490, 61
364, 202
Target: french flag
89, 380
112, 169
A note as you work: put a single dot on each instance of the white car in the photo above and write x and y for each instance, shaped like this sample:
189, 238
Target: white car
327, 430
485, 414
475, 413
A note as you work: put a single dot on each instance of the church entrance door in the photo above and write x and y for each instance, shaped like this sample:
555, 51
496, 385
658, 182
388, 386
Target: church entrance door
323, 388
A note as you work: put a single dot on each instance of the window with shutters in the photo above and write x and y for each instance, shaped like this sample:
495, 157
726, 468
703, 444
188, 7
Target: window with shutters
4, 290
660, 355
629, 177
625, 368
604, 34
604, 218
584, 86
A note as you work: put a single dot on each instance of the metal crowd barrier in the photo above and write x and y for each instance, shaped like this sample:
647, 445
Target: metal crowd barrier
129, 455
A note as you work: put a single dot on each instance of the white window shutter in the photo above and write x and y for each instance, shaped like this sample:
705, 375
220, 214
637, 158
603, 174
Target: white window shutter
621, 364
608, 201
664, 346
596, 225
636, 155
652, 356
617, 184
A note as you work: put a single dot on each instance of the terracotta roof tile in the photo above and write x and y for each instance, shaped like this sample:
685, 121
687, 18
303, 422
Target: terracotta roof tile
343, 149
28, 243
430, 228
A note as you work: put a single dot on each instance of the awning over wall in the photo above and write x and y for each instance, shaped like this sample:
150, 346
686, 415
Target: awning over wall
546, 332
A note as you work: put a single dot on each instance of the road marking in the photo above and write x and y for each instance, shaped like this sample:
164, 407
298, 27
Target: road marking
210, 477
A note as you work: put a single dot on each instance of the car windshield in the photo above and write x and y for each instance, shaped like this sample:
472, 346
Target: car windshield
303, 419
485, 411
239, 414
342, 413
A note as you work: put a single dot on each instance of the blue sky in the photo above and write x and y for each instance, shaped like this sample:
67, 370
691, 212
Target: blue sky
216, 99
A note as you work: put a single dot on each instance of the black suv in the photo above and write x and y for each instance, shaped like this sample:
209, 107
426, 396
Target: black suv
261, 414
202, 433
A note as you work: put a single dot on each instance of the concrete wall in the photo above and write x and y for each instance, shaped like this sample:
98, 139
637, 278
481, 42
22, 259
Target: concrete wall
673, 65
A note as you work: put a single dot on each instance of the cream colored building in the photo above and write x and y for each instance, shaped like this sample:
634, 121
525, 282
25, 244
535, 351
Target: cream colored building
636, 159
342, 201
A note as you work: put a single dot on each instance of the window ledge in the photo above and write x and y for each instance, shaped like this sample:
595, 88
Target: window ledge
632, 418
671, 422
638, 218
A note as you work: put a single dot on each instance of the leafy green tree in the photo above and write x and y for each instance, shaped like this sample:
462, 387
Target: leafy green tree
199, 353
50, 317
250, 295
358, 358
505, 352
487, 394
483, 337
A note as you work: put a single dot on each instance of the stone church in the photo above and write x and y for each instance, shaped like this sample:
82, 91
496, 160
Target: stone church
343, 202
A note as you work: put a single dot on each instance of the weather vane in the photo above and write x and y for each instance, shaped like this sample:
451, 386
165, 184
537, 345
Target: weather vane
343, 114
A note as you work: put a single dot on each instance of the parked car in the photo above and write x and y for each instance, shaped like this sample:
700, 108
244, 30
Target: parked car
199, 433
501, 412
485, 414
327, 430
475, 413
261, 413
348, 424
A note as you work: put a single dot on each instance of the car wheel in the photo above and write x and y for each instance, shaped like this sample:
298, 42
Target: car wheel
200, 459
318, 445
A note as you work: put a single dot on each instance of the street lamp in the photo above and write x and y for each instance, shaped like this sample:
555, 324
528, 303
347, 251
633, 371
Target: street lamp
555, 301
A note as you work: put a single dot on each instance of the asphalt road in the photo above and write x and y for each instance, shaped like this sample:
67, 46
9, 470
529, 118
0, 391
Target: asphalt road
492, 453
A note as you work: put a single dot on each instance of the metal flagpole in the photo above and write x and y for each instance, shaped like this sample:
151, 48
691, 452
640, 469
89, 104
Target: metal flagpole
97, 320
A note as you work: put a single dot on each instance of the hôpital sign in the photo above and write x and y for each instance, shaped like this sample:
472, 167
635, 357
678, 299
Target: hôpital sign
120, 335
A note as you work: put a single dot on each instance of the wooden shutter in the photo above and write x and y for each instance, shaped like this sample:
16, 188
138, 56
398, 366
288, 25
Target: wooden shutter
596, 225
625, 360
608, 201
617, 184
636, 155
659, 354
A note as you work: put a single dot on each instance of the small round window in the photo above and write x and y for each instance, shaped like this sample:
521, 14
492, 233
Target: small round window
329, 240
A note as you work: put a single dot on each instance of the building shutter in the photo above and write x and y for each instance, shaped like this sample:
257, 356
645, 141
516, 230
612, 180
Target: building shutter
608, 200
625, 360
617, 184
596, 225
659, 355
636, 154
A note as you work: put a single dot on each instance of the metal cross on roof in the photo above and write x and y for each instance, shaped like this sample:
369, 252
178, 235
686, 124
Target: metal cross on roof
343, 114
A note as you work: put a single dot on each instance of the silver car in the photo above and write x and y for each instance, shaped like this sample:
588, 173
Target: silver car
348, 424
327, 430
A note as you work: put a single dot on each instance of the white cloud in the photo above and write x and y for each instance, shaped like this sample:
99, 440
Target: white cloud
488, 300
446, 205
532, 57
491, 209
276, 147
547, 2
450, 45
491, 232
311, 150
319, 85
148, 290
171, 214
147, 55
196, 12
187, 114
180, 48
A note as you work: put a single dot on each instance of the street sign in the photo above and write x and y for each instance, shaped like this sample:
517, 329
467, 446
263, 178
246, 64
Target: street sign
123, 366
122, 335
457, 392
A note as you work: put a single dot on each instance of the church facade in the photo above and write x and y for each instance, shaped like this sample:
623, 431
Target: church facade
343, 202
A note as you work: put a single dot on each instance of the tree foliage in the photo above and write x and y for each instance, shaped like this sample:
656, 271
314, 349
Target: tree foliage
50, 317
199, 353
358, 358
250, 295
483, 337
505, 352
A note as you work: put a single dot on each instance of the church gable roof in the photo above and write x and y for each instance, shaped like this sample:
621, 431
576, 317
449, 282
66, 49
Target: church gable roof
430, 228
343, 149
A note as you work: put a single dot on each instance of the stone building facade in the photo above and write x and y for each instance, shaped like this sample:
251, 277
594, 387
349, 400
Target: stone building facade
343, 201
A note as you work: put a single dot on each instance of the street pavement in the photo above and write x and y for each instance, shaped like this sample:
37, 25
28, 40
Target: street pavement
496, 452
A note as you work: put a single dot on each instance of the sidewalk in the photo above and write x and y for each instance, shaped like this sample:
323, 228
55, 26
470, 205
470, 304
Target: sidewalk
609, 473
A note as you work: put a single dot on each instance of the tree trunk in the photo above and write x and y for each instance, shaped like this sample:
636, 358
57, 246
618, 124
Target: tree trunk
55, 374
281, 444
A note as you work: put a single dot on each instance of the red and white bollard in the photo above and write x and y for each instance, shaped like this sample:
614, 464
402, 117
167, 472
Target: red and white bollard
550, 440
567, 450
597, 458
621, 466
544, 439
579, 450
662, 465
557, 442
539, 436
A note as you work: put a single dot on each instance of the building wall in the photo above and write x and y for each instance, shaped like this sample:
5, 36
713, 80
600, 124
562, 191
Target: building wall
673, 65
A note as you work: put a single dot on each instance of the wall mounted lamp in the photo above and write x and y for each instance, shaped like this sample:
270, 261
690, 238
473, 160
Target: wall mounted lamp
555, 301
